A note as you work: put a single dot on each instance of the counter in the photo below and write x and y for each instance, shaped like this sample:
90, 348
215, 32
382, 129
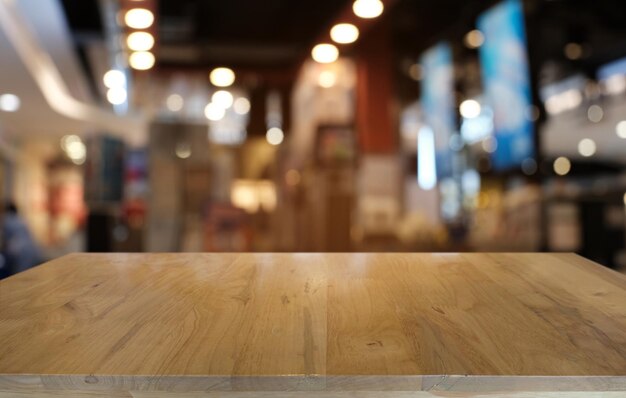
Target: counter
323, 325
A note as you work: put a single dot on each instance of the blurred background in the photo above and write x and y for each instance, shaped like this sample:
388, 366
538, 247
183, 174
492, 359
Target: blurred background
334, 125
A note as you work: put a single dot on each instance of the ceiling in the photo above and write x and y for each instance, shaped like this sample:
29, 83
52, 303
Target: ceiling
241, 33
276, 35
35, 117
272, 35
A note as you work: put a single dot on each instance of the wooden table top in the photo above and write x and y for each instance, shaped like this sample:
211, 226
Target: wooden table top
189, 322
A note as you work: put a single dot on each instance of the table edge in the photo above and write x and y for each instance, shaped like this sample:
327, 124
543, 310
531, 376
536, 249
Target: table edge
192, 383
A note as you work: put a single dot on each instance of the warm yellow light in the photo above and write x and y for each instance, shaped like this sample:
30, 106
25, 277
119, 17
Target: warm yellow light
174, 102
183, 150
327, 79
141, 60
241, 106
114, 79
474, 39
562, 166
139, 18
344, 33
368, 8
275, 136
140, 41
587, 147
116, 95
325, 53
74, 148
222, 77
214, 112
222, 98
252, 195
67, 140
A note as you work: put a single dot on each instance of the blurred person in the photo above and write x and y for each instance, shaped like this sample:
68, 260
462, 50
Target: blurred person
19, 251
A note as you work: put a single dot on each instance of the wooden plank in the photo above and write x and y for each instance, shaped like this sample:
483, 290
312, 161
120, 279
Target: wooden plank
450, 323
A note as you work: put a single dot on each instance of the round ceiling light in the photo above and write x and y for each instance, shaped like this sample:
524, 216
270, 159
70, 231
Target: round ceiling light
474, 39
139, 18
140, 41
114, 78
368, 8
174, 102
587, 147
562, 166
9, 102
222, 98
116, 95
344, 33
214, 112
325, 53
141, 60
241, 106
470, 109
222, 77
275, 136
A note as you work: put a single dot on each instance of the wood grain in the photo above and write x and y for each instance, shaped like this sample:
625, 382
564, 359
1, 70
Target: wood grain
332, 323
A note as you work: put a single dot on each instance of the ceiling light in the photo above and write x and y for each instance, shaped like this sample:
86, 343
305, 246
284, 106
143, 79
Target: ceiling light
114, 78
573, 51
470, 109
76, 150
116, 95
174, 102
222, 77
140, 41
183, 150
621, 129
214, 112
69, 139
474, 39
222, 98
9, 102
275, 136
325, 53
139, 18
415, 72
368, 8
141, 60
241, 106
562, 166
344, 33
595, 113
327, 79
490, 145
587, 147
